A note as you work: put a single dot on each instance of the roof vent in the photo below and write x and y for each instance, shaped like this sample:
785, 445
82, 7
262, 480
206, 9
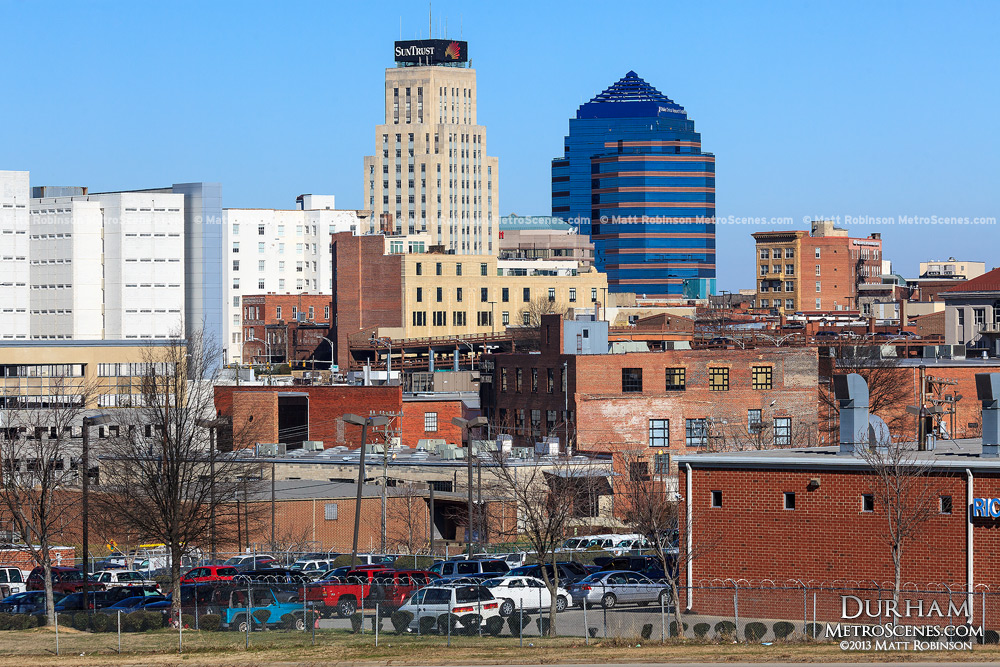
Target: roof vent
851, 392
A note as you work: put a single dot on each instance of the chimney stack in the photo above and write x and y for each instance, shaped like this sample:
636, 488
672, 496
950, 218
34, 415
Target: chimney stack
988, 391
851, 392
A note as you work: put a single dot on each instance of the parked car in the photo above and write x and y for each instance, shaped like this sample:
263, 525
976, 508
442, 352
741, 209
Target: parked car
650, 566
312, 568
514, 559
117, 593
437, 599
342, 595
251, 562
391, 587
28, 602
525, 593
238, 615
207, 573
122, 578
196, 598
66, 580
569, 571
610, 589
131, 604
485, 569
12, 581
335, 573
74, 601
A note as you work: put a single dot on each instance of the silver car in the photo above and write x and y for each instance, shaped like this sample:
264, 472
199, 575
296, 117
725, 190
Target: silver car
610, 589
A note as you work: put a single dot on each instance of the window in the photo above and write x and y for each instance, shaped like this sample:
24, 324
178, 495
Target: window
552, 294
419, 267
817, 270
790, 286
505, 294
534, 380
420, 294
659, 432
867, 502
518, 380
676, 379
503, 379
330, 511
484, 294
312, 313
763, 269
430, 422
789, 269
716, 498
260, 265
718, 379
765, 253
817, 253
483, 269
458, 269
277, 312
261, 246
789, 304
572, 295
661, 464
260, 284
419, 319
236, 229
526, 294
789, 500
696, 432
236, 246
761, 377
281, 230
440, 294
819, 287
260, 230
631, 380
961, 317
783, 431
593, 294
945, 504
505, 317
525, 318
754, 423
458, 318
638, 471
458, 294
789, 253
819, 303
236, 265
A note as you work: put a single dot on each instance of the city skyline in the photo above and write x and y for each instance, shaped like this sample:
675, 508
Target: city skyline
814, 112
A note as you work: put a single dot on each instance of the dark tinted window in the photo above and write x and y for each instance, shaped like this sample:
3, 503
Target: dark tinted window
437, 596
227, 572
467, 568
576, 568
495, 566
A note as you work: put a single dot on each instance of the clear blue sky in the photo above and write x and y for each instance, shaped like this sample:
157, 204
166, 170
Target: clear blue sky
812, 109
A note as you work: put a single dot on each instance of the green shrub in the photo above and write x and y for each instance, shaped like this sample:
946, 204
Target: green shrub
725, 630
261, 616
813, 630
164, 582
210, 622
312, 617
543, 623
5, 621
754, 631
647, 631
447, 623
187, 620
990, 637
99, 622
587, 557
41, 620
470, 624
401, 621
65, 620
782, 630
517, 622
133, 621
684, 627
357, 620
426, 624
152, 620
494, 625
377, 622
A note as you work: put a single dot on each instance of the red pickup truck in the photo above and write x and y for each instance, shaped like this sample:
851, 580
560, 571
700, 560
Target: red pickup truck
342, 596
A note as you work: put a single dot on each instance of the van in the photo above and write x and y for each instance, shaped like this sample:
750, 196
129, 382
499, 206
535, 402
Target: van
12, 581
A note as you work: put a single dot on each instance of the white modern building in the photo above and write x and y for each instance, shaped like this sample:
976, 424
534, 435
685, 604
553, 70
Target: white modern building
14, 267
107, 266
276, 251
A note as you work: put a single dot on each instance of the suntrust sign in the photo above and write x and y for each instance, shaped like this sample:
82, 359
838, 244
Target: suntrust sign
986, 507
432, 51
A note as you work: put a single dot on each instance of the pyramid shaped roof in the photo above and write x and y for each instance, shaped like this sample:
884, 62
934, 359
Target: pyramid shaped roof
630, 96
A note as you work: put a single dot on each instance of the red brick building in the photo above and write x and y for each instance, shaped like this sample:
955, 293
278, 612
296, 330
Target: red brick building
278, 328
430, 415
291, 415
668, 401
358, 263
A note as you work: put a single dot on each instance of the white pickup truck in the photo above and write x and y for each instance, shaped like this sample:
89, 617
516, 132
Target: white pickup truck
121, 578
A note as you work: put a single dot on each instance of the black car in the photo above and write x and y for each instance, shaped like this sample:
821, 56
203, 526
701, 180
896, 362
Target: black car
116, 594
569, 571
197, 599
29, 602
131, 604
74, 601
647, 565
284, 582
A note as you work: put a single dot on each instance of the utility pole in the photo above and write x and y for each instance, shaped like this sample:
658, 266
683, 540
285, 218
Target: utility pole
363, 422
466, 425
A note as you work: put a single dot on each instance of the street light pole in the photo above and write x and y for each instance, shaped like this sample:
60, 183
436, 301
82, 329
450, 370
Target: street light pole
212, 425
466, 425
96, 420
363, 422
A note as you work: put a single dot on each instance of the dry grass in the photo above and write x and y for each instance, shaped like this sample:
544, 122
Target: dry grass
225, 649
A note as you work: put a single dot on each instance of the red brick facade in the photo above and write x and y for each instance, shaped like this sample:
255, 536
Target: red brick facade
358, 263
327, 404
600, 414
432, 419
271, 326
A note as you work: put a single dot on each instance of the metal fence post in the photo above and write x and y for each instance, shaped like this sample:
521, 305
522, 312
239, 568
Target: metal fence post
249, 612
586, 626
814, 614
604, 607
313, 623
378, 622
180, 630
520, 623
663, 620
448, 622
56, 613
363, 609
805, 608
736, 609
197, 625
983, 628
119, 632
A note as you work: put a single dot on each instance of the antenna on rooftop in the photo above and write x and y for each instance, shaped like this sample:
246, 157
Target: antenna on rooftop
430, 21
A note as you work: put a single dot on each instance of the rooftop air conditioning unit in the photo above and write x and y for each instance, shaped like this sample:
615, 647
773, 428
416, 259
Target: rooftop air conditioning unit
547, 447
505, 443
271, 449
312, 445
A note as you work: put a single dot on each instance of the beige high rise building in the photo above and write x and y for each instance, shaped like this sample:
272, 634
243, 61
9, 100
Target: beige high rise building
430, 172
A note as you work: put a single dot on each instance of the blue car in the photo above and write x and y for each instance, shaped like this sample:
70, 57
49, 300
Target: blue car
134, 603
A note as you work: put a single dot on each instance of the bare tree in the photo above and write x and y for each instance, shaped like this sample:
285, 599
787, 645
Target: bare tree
902, 488
39, 464
158, 475
542, 306
407, 532
651, 505
546, 500
889, 386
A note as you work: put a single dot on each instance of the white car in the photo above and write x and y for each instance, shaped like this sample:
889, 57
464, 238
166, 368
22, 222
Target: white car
525, 593
433, 601
122, 578
12, 579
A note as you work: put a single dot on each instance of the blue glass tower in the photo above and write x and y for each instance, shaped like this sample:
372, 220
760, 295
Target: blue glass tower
633, 176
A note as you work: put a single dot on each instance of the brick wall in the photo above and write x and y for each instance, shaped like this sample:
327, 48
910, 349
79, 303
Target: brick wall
368, 289
327, 403
413, 423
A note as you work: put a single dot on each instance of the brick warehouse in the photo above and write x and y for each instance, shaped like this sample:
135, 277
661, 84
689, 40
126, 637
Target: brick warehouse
784, 518
275, 327
670, 401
